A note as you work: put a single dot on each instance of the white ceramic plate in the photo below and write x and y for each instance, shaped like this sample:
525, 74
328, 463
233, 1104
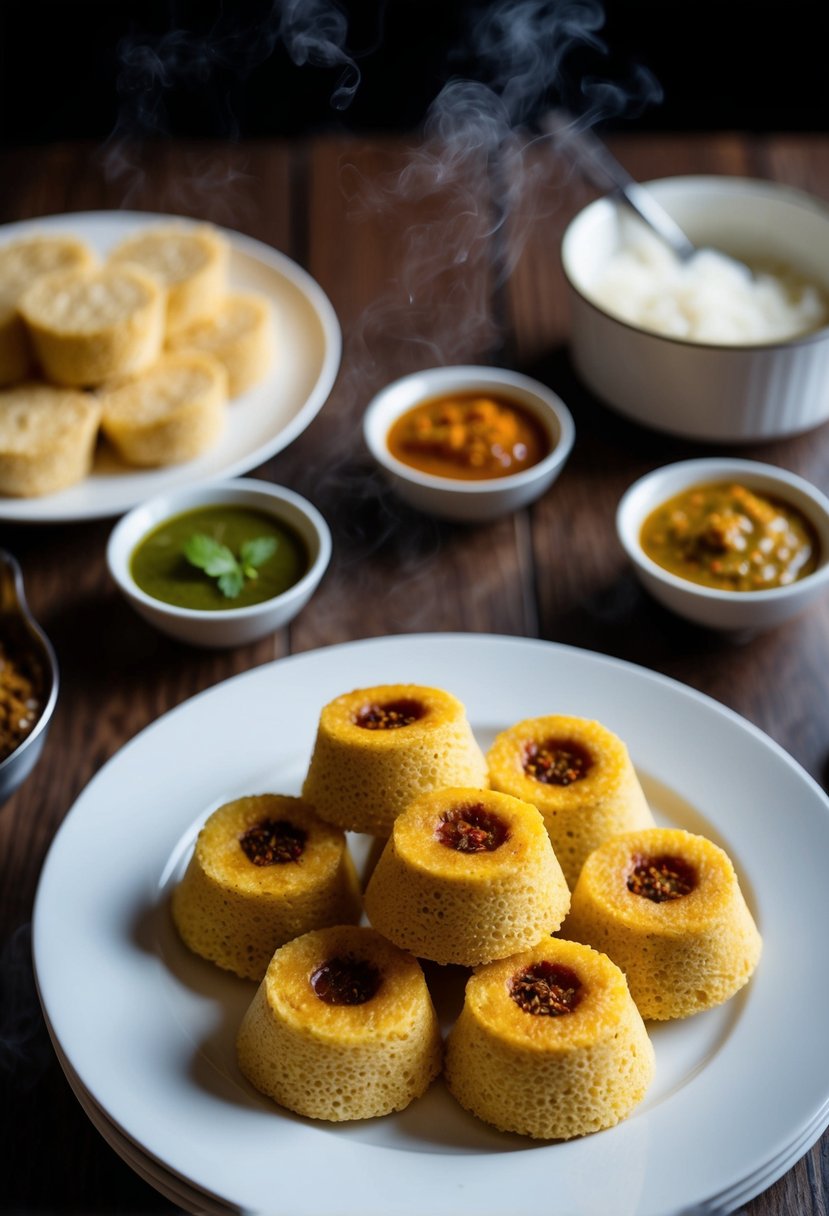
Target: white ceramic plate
260, 423
149, 1029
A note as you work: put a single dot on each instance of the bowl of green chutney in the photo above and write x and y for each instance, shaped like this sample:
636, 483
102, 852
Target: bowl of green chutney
220, 565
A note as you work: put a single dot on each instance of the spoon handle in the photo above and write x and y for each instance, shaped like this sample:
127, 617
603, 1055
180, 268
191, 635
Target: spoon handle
600, 166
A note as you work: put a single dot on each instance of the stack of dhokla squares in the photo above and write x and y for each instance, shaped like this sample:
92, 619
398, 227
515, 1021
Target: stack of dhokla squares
144, 347
577, 917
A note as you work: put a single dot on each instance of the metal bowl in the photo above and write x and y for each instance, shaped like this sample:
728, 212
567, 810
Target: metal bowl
21, 633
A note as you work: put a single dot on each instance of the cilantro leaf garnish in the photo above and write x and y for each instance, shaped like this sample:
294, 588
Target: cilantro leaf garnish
255, 553
219, 562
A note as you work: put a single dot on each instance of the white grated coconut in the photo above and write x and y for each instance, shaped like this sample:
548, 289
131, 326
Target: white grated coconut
710, 298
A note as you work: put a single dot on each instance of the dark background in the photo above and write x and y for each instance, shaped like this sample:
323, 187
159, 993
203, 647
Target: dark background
88, 68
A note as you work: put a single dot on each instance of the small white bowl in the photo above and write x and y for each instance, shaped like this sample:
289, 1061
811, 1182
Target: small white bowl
717, 393
741, 611
230, 626
454, 498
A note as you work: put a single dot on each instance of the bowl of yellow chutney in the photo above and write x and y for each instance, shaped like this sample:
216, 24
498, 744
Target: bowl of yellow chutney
729, 544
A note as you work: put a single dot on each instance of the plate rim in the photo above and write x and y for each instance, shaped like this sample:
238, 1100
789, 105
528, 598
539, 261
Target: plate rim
13, 510
704, 702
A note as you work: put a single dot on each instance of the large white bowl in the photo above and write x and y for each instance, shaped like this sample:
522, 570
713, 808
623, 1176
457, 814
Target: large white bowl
453, 498
740, 611
228, 626
720, 394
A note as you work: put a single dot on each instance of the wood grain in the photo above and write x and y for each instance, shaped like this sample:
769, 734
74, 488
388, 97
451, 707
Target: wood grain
426, 263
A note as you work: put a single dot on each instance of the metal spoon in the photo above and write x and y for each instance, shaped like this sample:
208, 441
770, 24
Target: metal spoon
600, 166
20, 633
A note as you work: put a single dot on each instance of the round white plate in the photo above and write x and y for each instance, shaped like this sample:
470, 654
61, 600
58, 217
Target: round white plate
150, 1028
260, 423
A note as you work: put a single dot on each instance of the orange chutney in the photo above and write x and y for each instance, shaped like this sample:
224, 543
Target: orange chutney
469, 436
728, 537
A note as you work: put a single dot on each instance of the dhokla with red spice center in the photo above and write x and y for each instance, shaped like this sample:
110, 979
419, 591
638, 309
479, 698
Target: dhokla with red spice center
377, 749
666, 905
549, 1044
341, 1027
580, 776
265, 869
467, 876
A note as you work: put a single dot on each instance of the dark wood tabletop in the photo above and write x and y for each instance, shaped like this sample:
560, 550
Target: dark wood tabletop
429, 256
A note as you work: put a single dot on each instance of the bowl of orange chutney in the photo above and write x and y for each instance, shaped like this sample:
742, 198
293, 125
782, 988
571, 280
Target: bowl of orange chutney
469, 444
729, 544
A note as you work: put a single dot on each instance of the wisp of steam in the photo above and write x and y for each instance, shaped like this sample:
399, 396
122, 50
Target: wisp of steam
474, 160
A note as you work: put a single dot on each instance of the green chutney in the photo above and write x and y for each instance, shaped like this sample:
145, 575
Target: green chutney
160, 569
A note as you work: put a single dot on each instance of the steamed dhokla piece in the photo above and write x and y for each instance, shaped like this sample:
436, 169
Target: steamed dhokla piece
171, 413
90, 325
579, 775
342, 1027
666, 906
265, 869
378, 748
47, 438
21, 263
191, 263
468, 876
549, 1044
239, 335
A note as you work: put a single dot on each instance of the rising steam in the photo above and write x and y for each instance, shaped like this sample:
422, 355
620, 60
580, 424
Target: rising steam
472, 175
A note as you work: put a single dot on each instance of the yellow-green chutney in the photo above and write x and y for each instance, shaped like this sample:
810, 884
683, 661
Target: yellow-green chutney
729, 537
159, 567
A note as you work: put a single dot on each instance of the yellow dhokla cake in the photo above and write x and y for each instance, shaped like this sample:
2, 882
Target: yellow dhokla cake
579, 775
549, 1044
239, 335
468, 876
21, 262
265, 869
47, 438
378, 748
172, 413
342, 1027
91, 325
191, 263
666, 906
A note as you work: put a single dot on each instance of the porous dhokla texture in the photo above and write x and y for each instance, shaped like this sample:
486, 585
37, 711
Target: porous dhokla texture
47, 438
239, 335
468, 876
341, 1061
235, 912
579, 775
377, 749
170, 414
680, 954
21, 263
91, 325
191, 263
547, 1075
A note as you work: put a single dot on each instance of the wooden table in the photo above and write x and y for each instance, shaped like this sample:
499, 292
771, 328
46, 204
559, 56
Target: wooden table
426, 262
